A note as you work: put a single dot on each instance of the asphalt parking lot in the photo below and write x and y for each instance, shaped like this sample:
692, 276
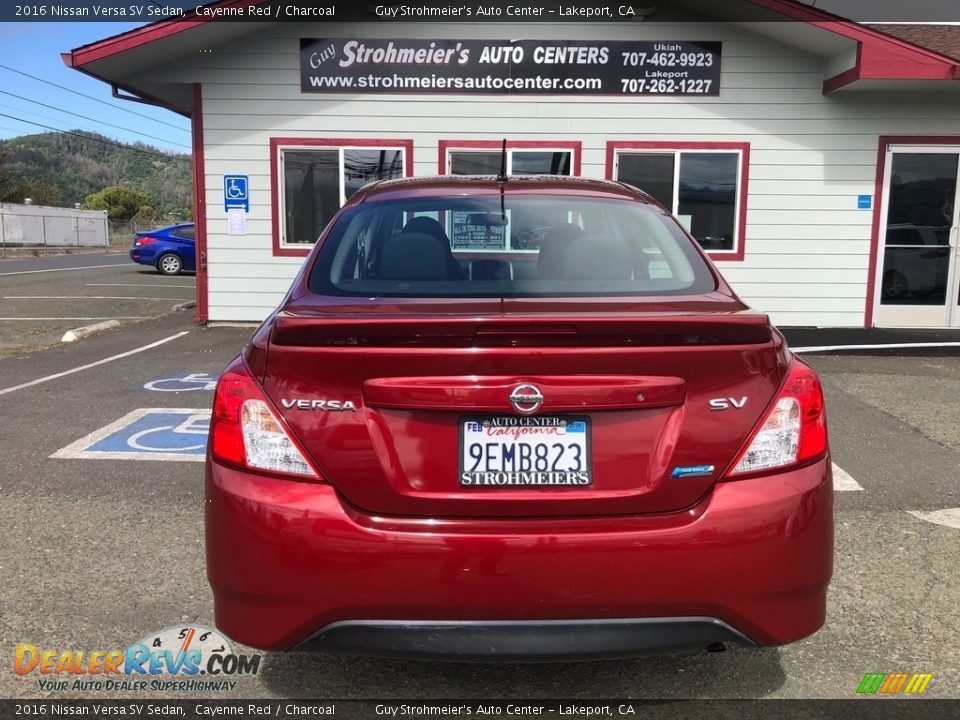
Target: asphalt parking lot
98, 551
43, 298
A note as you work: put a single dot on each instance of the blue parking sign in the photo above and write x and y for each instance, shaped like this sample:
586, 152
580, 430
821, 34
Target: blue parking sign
236, 193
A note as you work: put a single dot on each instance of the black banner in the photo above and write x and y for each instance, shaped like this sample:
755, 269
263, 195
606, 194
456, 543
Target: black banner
519, 67
593, 709
471, 11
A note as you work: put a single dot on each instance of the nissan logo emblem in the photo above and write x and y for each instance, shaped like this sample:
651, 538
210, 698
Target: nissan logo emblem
526, 399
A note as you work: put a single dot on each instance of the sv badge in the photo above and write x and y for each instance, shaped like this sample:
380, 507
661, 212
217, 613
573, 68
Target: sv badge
727, 403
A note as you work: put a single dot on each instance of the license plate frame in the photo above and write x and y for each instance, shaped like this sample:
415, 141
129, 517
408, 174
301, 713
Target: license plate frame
558, 473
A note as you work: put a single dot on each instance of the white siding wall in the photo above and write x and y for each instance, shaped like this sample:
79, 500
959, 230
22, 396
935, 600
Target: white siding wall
807, 244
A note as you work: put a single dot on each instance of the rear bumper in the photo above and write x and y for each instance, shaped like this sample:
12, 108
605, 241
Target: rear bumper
291, 565
523, 640
144, 256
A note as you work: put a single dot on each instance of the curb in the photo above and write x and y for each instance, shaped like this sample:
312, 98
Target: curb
868, 349
185, 305
87, 330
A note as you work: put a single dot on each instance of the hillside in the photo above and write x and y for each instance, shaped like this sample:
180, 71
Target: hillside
62, 169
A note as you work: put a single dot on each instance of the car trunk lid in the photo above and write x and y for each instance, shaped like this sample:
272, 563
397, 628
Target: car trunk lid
428, 386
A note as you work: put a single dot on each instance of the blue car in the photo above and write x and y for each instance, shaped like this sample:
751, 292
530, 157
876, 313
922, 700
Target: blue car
171, 250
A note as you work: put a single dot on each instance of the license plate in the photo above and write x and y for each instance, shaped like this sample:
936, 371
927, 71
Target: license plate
513, 451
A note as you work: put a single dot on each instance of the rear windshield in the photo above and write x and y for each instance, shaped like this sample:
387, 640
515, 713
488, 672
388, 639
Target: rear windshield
517, 246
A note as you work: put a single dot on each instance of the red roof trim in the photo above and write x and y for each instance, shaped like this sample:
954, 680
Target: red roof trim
880, 56
841, 26
841, 80
159, 30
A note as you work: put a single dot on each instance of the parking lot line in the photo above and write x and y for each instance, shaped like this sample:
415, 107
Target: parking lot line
886, 346
83, 267
842, 482
128, 353
950, 517
84, 297
128, 317
156, 285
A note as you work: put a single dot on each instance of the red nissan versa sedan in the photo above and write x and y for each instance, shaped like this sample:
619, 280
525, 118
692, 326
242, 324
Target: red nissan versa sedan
516, 419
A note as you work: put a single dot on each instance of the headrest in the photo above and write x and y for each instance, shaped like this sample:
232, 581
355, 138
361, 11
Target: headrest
414, 256
597, 257
553, 247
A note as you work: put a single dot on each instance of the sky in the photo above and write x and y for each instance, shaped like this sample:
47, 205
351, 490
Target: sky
35, 48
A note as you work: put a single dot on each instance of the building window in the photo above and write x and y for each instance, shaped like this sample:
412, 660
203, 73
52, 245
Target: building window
519, 162
704, 186
526, 226
314, 178
532, 157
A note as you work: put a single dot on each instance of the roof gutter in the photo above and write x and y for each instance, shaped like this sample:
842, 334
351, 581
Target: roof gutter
879, 56
128, 93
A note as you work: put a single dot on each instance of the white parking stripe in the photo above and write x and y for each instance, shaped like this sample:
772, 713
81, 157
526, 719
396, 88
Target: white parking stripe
950, 517
128, 353
84, 297
842, 482
888, 346
83, 267
32, 319
154, 285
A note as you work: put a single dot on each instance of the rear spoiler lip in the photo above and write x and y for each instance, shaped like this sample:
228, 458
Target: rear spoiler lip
521, 331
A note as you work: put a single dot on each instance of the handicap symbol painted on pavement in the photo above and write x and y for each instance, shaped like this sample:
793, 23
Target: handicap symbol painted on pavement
147, 434
186, 382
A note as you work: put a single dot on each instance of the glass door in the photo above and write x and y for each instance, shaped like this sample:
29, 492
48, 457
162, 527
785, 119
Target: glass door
917, 284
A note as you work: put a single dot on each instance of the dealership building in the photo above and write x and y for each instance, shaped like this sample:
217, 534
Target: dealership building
815, 159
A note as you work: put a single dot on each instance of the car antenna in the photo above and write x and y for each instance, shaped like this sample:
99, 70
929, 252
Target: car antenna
502, 177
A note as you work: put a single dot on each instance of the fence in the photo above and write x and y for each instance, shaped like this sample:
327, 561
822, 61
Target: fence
37, 228
121, 232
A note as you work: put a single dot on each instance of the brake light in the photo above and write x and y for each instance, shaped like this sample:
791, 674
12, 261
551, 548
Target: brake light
245, 431
793, 432
144, 241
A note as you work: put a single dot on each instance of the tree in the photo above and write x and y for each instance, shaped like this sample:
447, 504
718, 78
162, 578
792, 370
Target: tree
120, 202
146, 215
7, 183
41, 194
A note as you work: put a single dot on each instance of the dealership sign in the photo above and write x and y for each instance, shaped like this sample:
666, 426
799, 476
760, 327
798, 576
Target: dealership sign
524, 67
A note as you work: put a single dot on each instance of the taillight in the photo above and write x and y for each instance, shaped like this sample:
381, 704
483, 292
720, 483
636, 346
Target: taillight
144, 241
245, 431
793, 432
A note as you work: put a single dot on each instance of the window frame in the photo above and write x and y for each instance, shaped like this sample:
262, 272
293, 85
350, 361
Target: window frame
277, 200
574, 147
617, 147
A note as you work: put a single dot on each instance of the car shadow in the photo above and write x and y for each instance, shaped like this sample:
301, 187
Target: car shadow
153, 272
736, 673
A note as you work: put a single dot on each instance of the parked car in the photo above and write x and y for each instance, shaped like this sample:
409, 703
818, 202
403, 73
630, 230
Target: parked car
916, 261
171, 250
579, 458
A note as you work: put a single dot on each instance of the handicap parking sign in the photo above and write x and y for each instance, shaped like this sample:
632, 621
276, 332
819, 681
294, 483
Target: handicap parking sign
147, 434
236, 193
